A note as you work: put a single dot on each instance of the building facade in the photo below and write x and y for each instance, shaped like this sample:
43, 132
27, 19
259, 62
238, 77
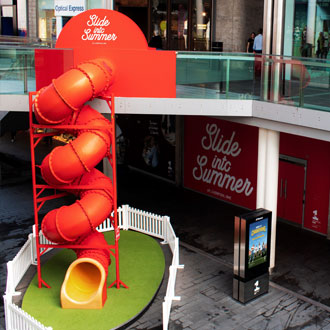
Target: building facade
194, 25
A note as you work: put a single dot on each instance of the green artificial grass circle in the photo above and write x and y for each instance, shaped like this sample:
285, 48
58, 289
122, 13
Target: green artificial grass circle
142, 265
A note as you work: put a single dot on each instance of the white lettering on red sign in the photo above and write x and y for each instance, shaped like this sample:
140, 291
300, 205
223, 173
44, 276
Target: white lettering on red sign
217, 173
97, 31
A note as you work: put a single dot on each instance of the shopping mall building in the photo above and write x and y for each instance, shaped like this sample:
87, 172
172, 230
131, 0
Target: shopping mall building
184, 25
252, 131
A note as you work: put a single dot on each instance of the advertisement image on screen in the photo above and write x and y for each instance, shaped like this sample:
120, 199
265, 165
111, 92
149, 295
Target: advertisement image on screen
258, 233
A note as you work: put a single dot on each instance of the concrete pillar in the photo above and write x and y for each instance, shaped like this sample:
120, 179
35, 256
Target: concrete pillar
267, 27
59, 25
271, 183
277, 47
279, 16
107, 4
268, 162
233, 22
262, 148
311, 14
32, 18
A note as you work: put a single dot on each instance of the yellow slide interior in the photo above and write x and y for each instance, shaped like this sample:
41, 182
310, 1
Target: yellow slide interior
83, 286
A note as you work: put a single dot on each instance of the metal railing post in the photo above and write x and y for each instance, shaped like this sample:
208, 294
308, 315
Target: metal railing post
227, 77
301, 90
25, 74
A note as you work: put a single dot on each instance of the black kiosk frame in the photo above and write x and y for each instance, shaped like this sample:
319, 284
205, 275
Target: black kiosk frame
252, 239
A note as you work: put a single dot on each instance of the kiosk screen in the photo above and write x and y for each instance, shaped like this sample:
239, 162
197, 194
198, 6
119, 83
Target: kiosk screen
258, 243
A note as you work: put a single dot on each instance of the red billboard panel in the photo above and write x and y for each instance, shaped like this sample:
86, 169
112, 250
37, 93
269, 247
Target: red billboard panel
220, 159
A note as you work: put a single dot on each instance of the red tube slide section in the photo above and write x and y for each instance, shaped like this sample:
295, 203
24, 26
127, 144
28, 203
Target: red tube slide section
62, 102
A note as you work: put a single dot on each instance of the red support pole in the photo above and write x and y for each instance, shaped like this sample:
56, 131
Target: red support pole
118, 282
38, 199
34, 191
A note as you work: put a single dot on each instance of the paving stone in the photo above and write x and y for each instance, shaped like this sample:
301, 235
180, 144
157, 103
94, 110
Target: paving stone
327, 327
294, 305
290, 300
144, 325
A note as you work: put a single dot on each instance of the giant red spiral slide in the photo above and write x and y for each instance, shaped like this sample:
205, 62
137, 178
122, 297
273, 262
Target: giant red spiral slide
62, 103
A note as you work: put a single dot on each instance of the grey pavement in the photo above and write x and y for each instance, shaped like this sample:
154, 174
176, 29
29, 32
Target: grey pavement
299, 295
205, 287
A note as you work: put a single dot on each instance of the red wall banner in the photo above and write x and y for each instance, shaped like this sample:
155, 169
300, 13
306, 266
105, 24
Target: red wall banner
220, 159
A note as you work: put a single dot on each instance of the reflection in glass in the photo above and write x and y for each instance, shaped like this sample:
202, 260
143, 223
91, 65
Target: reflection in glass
308, 25
158, 24
179, 25
201, 25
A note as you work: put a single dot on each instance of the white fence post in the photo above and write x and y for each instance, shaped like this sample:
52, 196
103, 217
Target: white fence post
166, 222
166, 315
7, 314
33, 249
9, 286
125, 216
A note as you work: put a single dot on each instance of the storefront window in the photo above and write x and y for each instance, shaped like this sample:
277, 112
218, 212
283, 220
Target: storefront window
307, 25
201, 20
48, 23
46, 19
137, 11
91, 4
158, 24
13, 17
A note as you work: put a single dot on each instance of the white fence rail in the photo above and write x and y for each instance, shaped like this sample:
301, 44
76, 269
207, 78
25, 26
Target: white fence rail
17, 267
106, 224
128, 218
145, 222
17, 319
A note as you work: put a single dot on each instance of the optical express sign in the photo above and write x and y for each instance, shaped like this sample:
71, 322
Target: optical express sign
69, 8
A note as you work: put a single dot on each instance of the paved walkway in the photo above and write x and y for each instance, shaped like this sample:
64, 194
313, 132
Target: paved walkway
299, 292
205, 287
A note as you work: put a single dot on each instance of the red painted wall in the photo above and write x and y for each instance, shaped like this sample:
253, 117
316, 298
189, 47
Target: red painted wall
220, 159
317, 154
50, 64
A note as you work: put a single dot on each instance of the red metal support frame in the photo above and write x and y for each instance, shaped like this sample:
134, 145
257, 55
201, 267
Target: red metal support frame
38, 189
111, 105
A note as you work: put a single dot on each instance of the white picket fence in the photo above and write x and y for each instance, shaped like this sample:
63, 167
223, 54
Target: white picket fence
128, 218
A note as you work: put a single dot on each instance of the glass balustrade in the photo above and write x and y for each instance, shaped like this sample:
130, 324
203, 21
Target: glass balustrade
302, 82
17, 71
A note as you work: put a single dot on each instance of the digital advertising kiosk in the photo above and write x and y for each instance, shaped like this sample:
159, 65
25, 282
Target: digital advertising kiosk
251, 254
